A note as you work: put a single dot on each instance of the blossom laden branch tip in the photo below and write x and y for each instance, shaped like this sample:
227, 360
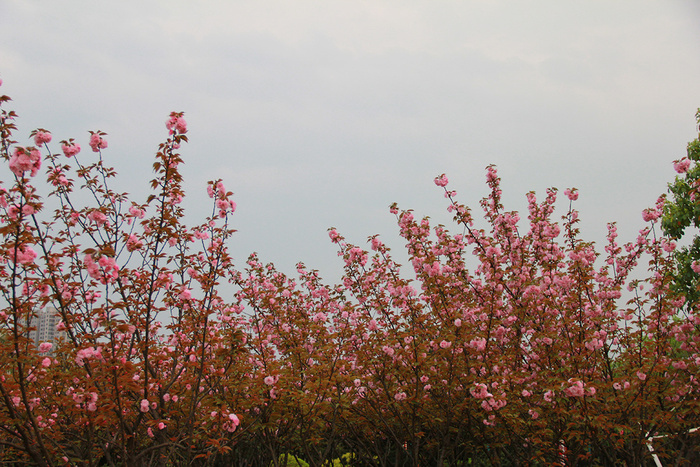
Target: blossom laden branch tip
97, 142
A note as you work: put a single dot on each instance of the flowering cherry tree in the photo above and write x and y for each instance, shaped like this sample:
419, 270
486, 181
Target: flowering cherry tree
512, 341
148, 341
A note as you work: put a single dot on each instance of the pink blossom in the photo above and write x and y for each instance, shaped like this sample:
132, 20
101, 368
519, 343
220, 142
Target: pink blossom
445, 344
269, 380
668, 246
680, 365
97, 217
58, 178
231, 421
161, 426
133, 243
70, 149
333, 234
97, 142
641, 375
46, 362
441, 180
478, 344
650, 215
571, 193
480, 391
575, 390
176, 123
136, 212
25, 255
695, 267
682, 165
399, 396
92, 267
13, 211
45, 347
23, 160
145, 405
224, 205
41, 137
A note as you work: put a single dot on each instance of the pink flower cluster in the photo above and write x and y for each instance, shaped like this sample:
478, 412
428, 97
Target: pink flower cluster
87, 353
578, 389
70, 148
681, 166
81, 398
42, 137
650, 215
270, 380
97, 141
25, 159
223, 203
144, 405
109, 268
24, 255
441, 180
133, 243
571, 193
176, 123
97, 217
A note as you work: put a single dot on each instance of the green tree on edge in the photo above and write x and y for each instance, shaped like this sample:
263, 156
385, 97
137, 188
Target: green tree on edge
681, 211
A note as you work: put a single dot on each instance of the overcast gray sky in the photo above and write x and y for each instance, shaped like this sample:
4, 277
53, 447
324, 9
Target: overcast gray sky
322, 113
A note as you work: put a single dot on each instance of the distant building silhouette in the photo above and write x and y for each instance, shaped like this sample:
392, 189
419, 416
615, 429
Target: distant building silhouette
45, 323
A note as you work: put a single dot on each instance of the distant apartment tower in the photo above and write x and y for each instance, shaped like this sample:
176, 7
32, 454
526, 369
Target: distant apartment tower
45, 325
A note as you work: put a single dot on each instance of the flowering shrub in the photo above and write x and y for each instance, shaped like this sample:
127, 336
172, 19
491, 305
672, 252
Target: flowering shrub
532, 356
147, 342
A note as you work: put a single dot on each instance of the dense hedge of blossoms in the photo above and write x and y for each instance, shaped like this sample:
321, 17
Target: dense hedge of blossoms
531, 357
